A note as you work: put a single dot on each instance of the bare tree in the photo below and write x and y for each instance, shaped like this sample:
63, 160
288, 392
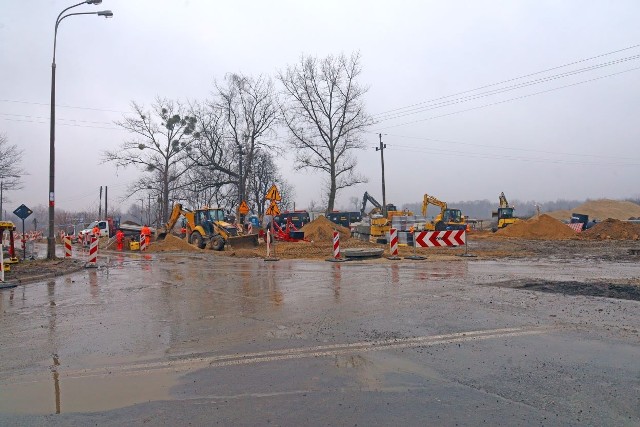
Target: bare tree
250, 110
230, 129
159, 146
10, 171
324, 113
263, 176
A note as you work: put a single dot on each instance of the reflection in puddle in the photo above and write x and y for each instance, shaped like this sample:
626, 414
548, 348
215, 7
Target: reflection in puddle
84, 394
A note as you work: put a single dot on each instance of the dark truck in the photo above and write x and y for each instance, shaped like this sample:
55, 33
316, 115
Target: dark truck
577, 218
344, 219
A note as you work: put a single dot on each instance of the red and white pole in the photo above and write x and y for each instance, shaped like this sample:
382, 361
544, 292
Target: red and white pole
143, 242
393, 241
93, 252
336, 245
268, 243
1, 264
67, 246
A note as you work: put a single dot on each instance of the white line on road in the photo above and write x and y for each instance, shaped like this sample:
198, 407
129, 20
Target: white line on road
195, 362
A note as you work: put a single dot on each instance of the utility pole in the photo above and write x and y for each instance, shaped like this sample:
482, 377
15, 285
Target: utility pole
105, 202
100, 205
142, 212
384, 197
241, 183
149, 212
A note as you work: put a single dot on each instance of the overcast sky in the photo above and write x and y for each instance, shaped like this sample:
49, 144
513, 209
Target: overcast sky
567, 133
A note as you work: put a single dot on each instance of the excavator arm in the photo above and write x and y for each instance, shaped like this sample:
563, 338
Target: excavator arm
173, 219
430, 200
368, 198
503, 201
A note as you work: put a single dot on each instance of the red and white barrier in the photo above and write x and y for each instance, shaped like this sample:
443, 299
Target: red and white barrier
268, 243
93, 252
1, 265
576, 226
393, 242
336, 245
440, 238
67, 246
143, 242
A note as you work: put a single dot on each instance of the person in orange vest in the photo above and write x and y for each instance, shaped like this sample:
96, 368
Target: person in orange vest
119, 239
96, 232
146, 232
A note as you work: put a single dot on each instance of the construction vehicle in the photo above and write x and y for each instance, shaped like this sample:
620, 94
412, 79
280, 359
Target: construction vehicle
10, 228
375, 226
206, 228
577, 218
504, 214
447, 219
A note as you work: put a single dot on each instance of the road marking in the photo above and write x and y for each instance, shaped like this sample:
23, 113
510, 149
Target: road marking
197, 362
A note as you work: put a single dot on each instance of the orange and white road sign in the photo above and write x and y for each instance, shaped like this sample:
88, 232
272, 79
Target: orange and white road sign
273, 194
243, 208
273, 209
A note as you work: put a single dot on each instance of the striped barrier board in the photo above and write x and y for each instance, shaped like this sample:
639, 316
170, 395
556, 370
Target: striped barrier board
67, 246
93, 252
576, 226
336, 245
428, 239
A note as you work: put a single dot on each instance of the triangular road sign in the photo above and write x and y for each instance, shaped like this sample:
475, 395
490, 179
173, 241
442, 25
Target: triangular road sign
243, 208
273, 209
273, 194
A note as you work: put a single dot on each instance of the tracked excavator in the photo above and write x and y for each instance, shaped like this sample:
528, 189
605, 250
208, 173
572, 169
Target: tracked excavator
376, 226
447, 219
206, 228
504, 214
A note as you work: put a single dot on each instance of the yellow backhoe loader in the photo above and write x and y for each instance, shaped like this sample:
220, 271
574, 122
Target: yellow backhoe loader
206, 228
504, 214
447, 219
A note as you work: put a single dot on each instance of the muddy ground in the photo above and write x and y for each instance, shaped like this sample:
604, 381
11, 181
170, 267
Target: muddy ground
482, 246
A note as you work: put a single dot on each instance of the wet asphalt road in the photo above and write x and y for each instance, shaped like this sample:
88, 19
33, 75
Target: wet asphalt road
173, 340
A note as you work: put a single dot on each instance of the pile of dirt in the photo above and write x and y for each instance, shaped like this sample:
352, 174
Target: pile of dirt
172, 243
321, 230
543, 227
601, 210
613, 229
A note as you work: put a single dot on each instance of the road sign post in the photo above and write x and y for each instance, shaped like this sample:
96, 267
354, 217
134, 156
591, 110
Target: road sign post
23, 213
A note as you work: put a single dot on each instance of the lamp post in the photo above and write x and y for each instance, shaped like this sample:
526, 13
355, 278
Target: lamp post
51, 242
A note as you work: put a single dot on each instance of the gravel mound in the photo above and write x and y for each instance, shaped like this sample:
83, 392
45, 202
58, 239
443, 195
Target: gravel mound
613, 229
321, 230
543, 227
172, 243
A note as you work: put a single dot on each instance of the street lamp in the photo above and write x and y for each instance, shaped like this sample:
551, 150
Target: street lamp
51, 242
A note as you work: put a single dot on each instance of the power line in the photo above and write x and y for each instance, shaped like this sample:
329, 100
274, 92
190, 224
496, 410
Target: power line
510, 80
64, 106
508, 100
499, 147
502, 90
507, 157
62, 124
47, 118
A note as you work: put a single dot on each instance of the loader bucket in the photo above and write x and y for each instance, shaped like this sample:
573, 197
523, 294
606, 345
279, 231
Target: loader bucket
162, 235
247, 241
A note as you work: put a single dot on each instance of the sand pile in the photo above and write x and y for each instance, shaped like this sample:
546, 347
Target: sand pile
613, 229
321, 230
601, 210
543, 227
172, 243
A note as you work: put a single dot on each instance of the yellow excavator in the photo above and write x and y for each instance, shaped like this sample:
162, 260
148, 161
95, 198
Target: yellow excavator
504, 214
447, 219
206, 228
